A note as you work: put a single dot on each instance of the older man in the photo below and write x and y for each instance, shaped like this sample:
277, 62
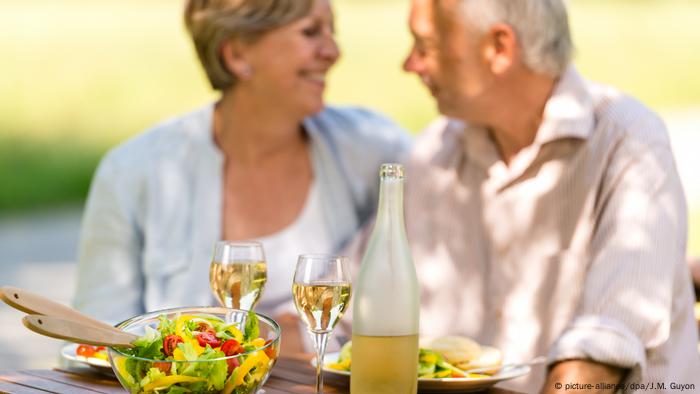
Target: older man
545, 212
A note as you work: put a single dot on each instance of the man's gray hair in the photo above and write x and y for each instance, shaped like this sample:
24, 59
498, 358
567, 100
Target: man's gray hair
541, 26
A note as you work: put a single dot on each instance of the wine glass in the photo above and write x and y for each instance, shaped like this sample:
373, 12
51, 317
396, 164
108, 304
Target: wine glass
321, 290
238, 273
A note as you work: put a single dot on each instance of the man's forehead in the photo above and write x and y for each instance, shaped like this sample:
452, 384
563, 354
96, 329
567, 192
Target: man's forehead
429, 15
421, 18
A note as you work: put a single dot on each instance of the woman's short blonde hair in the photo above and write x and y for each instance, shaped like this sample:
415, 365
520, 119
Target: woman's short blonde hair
211, 22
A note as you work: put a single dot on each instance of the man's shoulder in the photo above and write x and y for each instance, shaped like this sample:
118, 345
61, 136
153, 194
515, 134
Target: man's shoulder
627, 119
632, 139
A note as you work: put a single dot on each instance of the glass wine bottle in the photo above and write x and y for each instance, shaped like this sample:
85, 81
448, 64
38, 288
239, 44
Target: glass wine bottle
386, 305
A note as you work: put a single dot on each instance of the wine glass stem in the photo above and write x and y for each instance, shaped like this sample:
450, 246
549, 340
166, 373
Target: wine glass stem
320, 341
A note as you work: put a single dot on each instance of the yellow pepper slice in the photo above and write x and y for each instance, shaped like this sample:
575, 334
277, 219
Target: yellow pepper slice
180, 356
101, 356
253, 360
237, 334
428, 358
247, 365
180, 324
258, 343
121, 368
443, 374
197, 349
260, 371
167, 381
342, 366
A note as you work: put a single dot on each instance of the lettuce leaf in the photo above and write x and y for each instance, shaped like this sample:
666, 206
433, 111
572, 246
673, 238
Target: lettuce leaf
152, 375
252, 330
149, 345
166, 326
345, 352
137, 369
214, 371
188, 351
175, 389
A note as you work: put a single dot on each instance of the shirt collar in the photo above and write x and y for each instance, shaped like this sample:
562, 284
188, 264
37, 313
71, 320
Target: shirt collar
569, 111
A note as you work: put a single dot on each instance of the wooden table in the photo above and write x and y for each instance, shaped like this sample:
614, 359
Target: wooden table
290, 375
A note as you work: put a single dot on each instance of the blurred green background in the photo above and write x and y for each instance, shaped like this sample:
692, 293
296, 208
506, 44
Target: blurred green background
78, 77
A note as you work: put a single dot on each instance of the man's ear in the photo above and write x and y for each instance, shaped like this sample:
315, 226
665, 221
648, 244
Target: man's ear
234, 60
501, 48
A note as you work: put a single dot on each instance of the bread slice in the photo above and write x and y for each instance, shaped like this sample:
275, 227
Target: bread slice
489, 357
456, 349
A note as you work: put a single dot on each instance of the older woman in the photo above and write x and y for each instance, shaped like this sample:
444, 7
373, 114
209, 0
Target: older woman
267, 161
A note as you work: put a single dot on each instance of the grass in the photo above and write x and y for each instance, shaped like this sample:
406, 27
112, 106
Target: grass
78, 77
26, 165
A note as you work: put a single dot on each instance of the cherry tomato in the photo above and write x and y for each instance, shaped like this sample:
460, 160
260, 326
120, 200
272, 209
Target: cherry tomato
201, 326
231, 347
100, 348
163, 366
85, 350
270, 350
170, 344
233, 363
208, 338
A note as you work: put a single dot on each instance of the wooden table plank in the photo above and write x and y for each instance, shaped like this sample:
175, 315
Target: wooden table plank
88, 380
14, 388
42, 383
302, 374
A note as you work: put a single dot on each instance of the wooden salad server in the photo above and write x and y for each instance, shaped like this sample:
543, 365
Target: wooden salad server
35, 304
73, 331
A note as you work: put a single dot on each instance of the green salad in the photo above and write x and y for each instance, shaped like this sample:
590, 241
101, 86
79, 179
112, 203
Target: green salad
187, 354
431, 364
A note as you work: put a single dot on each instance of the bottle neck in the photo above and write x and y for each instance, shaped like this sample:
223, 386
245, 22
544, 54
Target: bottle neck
390, 210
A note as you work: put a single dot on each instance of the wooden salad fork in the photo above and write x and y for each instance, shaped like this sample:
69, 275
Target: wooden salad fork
74, 331
35, 304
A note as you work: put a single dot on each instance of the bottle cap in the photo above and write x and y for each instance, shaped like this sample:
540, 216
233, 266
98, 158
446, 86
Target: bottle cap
391, 171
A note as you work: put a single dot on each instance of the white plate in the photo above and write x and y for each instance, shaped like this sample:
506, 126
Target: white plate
443, 385
68, 352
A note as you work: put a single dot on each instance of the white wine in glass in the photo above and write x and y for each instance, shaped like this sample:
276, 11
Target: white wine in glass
321, 304
238, 274
321, 290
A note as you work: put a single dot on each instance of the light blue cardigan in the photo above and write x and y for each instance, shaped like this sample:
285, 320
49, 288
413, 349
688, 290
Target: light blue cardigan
154, 209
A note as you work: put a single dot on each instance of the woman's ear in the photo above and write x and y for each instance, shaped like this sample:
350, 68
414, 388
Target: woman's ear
501, 48
234, 61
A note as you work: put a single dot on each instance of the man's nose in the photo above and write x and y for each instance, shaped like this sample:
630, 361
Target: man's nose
410, 64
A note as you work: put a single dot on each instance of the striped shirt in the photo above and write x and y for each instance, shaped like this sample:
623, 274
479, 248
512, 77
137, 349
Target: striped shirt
574, 250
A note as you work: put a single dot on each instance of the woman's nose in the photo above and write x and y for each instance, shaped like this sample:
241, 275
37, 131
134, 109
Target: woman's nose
329, 49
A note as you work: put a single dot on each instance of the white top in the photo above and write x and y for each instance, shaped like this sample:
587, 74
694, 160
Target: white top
307, 234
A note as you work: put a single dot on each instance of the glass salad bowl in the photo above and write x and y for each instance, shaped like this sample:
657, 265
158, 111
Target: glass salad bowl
197, 350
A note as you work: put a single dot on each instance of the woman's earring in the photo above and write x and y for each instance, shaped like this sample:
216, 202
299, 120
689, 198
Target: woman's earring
246, 71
